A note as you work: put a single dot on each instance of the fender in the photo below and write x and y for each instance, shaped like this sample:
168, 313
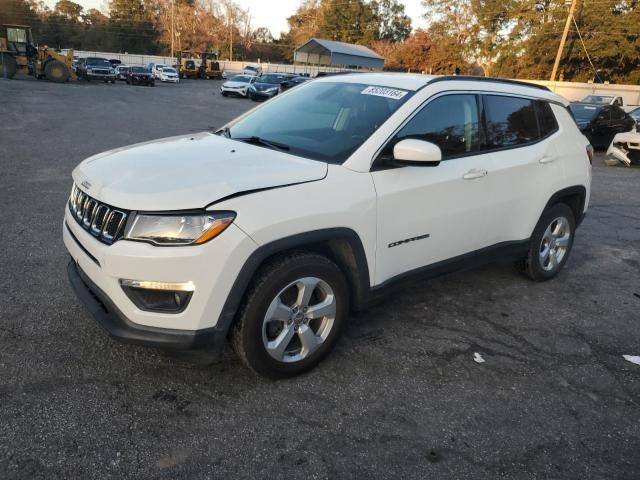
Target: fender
357, 274
578, 191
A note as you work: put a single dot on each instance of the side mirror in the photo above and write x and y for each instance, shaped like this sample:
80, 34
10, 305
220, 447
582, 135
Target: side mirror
417, 153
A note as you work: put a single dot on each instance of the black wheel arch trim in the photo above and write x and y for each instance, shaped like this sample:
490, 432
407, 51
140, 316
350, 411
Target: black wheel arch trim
357, 274
577, 190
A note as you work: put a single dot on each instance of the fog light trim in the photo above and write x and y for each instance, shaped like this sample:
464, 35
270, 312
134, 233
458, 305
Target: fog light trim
151, 285
158, 297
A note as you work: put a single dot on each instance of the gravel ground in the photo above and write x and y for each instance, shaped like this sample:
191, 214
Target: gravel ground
401, 396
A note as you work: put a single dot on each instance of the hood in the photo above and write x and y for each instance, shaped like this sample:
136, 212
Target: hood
188, 172
235, 84
265, 86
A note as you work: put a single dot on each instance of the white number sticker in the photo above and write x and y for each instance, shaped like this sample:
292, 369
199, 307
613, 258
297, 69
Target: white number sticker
384, 92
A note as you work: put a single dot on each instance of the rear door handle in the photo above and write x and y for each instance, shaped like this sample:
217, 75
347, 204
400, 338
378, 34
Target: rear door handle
547, 159
475, 173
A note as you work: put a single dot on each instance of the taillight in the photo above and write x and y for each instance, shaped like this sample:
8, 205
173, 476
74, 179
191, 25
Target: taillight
590, 153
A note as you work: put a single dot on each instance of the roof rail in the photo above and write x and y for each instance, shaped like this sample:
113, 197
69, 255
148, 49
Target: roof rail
448, 78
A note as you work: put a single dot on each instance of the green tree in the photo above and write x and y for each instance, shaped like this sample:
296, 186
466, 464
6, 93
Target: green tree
69, 10
131, 27
393, 23
351, 21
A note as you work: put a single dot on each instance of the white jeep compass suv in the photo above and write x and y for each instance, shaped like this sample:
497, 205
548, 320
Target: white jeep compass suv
271, 230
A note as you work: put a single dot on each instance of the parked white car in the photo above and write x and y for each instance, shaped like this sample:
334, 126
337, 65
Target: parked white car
237, 85
252, 69
169, 74
121, 71
156, 68
598, 99
315, 203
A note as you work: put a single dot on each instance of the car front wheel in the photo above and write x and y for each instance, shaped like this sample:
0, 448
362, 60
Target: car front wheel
292, 315
551, 243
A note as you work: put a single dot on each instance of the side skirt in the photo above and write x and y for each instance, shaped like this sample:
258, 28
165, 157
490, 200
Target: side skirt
505, 251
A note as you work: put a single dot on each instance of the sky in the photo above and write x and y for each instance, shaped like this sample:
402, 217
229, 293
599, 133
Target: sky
266, 13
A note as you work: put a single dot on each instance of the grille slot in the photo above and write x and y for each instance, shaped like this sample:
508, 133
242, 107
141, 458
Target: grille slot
103, 221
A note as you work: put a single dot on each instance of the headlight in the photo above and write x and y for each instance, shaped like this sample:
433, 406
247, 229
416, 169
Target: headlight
252, 88
112, 71
272, 89
191, 229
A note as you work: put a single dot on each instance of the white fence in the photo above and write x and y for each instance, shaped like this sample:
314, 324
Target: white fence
229, 67
573, 91
126, 58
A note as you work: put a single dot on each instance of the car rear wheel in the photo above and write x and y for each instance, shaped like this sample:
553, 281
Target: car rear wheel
551, 244
292, 315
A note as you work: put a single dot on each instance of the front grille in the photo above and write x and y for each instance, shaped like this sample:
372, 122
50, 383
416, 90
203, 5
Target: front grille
102, 221
98, 71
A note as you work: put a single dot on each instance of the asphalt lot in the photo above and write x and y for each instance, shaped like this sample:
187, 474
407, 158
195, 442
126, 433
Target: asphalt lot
400, 397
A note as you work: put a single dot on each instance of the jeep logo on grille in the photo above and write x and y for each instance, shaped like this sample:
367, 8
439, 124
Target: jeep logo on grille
86, 184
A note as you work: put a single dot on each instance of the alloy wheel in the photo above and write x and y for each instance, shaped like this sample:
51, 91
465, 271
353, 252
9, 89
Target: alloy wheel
554, 244
299, 319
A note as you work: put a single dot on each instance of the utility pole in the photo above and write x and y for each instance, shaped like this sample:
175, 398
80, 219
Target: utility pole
564, 38
230, 15
172, 28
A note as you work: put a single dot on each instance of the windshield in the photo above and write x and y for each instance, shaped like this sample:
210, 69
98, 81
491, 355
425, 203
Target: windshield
98, 62
169, 70
272, 78
241, 78
597, 99
139, 70
635, 114
324, 121
584, 112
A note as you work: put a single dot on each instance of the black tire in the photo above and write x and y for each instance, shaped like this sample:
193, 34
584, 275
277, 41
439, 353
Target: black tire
8, 66
534, 266
113, 82
56, 71
224, 94
128, 81
153, 84
247, 331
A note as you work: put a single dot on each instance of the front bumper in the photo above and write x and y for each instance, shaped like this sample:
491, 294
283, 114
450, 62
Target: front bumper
261, 95
212, 268
100, 76
116, 324
235, 91
170, 79
142, 80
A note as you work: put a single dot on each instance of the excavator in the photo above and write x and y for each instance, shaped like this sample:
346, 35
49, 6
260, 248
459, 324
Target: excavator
17, 52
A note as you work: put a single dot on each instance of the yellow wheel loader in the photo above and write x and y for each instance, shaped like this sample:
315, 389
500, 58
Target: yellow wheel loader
17, 52
204, 65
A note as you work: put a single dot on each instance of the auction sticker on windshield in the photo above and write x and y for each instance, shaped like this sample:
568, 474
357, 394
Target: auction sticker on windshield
384, 92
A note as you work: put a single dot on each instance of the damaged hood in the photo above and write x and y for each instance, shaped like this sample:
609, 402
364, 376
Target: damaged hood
188, 172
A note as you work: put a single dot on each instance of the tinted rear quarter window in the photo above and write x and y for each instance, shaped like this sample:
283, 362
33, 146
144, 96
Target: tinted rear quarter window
510, 121
546, 118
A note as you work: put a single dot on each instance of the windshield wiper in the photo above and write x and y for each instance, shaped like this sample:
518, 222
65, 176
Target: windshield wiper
266, 143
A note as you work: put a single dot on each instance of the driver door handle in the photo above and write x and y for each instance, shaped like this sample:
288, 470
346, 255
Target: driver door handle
475, 173
547, 159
